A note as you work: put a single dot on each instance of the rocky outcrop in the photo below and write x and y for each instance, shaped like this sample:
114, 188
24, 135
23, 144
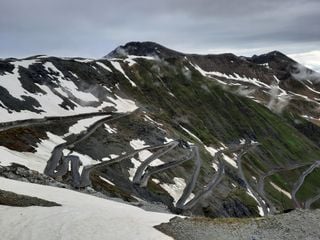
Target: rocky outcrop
18, 200
22, 173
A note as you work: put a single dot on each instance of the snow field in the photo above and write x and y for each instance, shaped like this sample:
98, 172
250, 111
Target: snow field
81, 217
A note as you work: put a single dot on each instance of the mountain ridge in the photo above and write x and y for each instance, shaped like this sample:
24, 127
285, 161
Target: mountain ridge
146, 48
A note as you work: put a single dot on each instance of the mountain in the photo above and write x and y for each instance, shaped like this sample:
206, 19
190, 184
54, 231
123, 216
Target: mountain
210, 135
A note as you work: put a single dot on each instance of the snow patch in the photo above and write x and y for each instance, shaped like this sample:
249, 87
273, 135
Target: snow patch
81, 217
191, 134
11, 82
104, 66
171, 94
68, 85
281, 190
138, 144
83, 124
149, 119
106, 180
266, 65
212, 152
83, 60
132, 171
113, 156
123, 105
130, 62
36, 161
167, 140
234, 76
117, 66
229, 160
261, 213
156, 181
311, 89
86, 160
176, 189
73, 74
144, 154
110, 129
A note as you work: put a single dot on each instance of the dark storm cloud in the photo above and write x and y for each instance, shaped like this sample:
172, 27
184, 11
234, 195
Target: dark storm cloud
92, 28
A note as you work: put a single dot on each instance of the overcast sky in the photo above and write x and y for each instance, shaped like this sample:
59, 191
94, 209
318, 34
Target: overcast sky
92, 28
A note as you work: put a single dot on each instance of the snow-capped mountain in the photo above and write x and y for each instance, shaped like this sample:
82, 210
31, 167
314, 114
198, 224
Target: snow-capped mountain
212, 135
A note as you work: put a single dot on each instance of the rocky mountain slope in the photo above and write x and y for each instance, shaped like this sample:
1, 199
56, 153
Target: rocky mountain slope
296, 225
211, 135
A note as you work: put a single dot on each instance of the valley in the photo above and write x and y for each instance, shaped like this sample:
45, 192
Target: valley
217, 136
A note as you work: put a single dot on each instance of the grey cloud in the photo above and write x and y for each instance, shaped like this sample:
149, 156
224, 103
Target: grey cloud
277, 102
93, 28
302, 73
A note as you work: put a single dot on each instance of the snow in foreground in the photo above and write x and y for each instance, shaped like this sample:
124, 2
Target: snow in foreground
80, 217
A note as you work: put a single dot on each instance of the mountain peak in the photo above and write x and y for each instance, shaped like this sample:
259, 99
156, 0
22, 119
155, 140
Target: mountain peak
143, 49
271, 56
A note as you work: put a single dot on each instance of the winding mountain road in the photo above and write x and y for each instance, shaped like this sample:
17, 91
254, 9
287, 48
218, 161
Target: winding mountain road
217, 177
256, 195
140, 170
300, 181
58, 165
54, 168
311, 201
153, 170
48, 120
193, 179
98, 168
261, 183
